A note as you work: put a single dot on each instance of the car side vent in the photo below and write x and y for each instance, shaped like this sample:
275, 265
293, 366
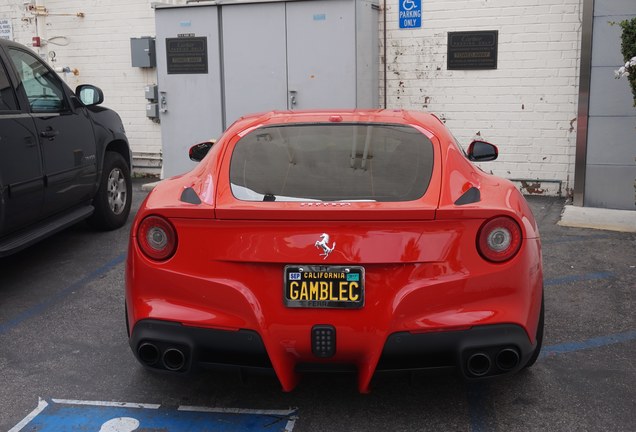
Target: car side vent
190, 196
471, 196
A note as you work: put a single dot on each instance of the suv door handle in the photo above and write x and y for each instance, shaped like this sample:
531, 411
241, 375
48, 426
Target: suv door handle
49, 133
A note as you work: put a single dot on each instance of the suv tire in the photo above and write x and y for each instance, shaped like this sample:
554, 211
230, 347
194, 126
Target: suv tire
114, 196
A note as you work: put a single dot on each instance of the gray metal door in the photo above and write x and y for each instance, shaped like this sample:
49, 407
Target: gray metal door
321, 54
189, 82
610, 179
254, 59
261, 56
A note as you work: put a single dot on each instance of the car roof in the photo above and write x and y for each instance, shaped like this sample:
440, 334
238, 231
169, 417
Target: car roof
386, 116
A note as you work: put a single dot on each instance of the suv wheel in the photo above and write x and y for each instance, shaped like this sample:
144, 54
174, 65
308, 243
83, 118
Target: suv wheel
114, 196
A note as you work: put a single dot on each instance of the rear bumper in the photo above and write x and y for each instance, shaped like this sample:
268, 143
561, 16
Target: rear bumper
478, 352
410, 320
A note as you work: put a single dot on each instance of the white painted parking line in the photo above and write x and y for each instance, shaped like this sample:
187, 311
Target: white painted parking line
106, 404
42, 404
55, 415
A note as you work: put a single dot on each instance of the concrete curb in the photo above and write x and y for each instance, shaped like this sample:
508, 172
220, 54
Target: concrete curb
149, 186
598, 218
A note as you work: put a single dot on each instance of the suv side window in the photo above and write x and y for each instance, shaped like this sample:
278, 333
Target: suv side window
7, 95
43, 88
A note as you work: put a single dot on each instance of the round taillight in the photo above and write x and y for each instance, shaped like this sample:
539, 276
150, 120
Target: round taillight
157, 238
499, 239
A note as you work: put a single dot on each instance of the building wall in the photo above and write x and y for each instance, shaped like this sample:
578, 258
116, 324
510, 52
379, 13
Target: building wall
98, 46
610, 174
527, 106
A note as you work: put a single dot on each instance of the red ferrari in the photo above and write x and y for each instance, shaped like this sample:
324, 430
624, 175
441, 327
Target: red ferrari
361, 240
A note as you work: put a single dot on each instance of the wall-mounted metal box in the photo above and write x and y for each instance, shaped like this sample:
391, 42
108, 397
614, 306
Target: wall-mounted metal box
142, 52
152, 92
152, 110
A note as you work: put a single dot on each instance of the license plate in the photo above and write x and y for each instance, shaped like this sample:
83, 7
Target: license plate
309, 286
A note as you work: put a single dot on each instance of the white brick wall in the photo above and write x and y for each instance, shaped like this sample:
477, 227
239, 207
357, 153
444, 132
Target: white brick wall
99, 47
527, 106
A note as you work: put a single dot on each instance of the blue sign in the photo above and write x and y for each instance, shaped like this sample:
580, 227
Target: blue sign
68, 415
410, 13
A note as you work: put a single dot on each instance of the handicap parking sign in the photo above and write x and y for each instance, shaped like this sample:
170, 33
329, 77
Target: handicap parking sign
72, 415
410, 14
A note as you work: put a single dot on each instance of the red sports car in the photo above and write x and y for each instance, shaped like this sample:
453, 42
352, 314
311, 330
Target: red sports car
363, 240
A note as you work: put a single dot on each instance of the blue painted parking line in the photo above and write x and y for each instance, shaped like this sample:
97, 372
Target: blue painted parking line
70, 415
479, 410
597, 342
44, 305
578, 278
568, 239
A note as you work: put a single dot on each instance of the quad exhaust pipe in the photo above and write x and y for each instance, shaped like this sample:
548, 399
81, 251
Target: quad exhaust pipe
172, 359
507, 359
148, 353
481, 363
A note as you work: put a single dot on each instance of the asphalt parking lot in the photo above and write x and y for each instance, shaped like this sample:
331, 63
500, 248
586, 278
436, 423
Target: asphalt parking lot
63, 340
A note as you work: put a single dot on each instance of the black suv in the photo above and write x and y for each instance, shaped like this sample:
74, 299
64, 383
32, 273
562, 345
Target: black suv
62, 158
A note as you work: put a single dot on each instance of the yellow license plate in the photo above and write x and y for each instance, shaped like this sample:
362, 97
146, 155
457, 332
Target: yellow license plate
310, 286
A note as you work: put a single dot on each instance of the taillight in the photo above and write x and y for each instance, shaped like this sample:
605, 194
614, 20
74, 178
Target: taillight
499, 239
157, 238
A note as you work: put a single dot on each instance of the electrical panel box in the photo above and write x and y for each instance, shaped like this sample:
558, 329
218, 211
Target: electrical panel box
142, 52
152, 110
152, 92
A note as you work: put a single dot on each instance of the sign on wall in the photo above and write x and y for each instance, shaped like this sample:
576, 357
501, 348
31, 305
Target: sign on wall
6, 29
472, 50
187, 55
410, 14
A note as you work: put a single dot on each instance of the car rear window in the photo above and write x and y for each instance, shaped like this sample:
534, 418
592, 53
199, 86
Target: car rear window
332, 162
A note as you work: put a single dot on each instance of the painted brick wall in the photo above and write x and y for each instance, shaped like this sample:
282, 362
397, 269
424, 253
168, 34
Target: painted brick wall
527, 106
98, 46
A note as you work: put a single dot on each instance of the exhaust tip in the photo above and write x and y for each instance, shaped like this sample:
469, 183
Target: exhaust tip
507, 359
173, 359
479, 364
148, 353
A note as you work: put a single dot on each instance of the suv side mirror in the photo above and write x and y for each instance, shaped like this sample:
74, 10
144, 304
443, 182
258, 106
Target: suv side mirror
481, 151
199, 151
89, 94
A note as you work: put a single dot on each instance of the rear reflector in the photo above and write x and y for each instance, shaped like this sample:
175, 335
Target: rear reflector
157, 238
499, 239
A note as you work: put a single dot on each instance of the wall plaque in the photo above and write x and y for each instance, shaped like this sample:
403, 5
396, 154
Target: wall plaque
187, 55
472, 50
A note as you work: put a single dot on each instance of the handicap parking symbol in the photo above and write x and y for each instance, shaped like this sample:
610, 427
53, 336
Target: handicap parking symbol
73, 415
410, 14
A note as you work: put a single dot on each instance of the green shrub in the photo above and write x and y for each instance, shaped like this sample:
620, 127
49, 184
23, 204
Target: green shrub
628, 49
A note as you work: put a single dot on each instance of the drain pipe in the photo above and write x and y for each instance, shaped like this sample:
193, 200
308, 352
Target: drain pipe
384, 31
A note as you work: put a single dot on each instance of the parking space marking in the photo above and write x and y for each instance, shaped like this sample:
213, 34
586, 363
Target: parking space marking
107, 404
61, 295
76, 415
568, 239
478, 410
597, 342
42, 404
578, 278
